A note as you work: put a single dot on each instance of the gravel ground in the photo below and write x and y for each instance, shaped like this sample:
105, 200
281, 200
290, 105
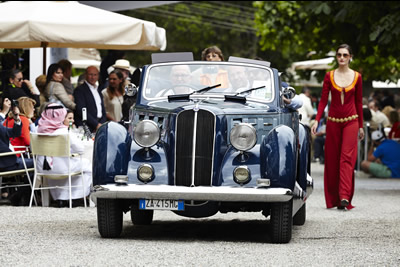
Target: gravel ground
367, 235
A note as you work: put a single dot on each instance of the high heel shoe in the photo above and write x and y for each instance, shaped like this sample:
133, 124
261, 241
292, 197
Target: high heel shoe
344, 203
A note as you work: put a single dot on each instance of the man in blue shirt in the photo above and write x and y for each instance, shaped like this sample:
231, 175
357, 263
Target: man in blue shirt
384, 162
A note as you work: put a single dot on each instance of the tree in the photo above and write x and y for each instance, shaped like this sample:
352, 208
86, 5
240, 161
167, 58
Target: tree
296, 28
193, 26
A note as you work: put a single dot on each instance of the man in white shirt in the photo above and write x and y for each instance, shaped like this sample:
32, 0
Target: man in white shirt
306, 110
88, 96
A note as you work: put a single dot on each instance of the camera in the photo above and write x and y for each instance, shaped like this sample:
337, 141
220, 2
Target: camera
14, 103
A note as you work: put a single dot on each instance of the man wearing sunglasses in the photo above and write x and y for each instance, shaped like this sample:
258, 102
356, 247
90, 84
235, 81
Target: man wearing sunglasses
18, 86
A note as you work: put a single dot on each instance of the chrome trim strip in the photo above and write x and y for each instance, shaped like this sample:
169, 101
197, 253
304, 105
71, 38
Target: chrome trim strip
196, 110
193, 193
310, 185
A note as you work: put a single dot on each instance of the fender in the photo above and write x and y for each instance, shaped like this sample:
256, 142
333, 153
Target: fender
110, 152
233, 159
304, 159
156, 157
278, 157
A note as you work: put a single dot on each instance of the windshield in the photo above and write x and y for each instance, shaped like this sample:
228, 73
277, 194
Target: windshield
165, 80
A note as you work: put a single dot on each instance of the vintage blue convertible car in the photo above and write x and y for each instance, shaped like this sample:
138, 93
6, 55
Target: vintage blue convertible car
204, 137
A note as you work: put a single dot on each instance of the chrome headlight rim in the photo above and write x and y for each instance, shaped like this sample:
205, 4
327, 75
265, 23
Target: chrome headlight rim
235, 135
244, 170
150, 173
155, 135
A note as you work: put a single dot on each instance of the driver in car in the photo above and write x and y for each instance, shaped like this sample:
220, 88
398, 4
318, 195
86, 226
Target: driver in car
180, 78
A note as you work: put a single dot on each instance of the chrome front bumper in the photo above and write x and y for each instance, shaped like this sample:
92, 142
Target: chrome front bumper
202, 193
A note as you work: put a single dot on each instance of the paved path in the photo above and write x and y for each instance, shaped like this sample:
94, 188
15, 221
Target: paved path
367, 235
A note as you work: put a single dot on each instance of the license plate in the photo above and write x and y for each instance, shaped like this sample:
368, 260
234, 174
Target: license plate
161, 204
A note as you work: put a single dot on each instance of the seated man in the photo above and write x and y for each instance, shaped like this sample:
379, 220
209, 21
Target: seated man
384, 162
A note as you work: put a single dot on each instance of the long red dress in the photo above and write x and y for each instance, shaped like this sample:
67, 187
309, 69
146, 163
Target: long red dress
345, 117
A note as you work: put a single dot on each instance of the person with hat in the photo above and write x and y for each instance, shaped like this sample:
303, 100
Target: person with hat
124, 66
384, 161
52, 121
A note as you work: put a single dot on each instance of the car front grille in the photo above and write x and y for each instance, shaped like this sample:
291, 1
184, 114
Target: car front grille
194, 139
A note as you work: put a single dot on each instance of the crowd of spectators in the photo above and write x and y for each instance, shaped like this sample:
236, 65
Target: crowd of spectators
101, 96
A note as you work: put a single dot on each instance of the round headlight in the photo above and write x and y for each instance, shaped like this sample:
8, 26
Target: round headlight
145, 173
241, 174
146, 133
243, 136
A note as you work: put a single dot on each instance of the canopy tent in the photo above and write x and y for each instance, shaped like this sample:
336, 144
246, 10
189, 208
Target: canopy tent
67, 24
81, 58
316, 64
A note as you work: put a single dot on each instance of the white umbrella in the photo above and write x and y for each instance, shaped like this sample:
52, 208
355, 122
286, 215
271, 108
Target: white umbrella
66, 24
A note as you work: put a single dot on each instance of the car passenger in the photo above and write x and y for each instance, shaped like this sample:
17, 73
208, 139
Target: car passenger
238, 79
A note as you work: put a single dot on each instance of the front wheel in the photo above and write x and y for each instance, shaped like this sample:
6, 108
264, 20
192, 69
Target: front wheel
109, 217
281, 222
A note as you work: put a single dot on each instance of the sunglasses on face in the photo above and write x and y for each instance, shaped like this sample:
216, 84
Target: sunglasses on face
339, 55
20, 79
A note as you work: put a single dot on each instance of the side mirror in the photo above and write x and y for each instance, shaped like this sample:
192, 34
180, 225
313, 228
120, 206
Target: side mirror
130, 89
289, 92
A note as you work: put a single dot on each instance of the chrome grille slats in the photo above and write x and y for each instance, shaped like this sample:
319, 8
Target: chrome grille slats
202, 147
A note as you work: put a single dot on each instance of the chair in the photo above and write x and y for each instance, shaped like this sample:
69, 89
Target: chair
52, 145
15, 173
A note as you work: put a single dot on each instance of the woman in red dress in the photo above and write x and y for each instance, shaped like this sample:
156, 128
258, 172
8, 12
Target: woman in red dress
343, 127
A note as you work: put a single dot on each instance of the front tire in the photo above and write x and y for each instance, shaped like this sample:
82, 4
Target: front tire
109, 217
281, 222
141, 217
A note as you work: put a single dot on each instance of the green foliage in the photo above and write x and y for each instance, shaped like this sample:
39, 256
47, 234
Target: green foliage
295, 28
193, 26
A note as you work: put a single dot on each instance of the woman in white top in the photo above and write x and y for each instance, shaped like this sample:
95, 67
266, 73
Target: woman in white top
113, 96
52, 121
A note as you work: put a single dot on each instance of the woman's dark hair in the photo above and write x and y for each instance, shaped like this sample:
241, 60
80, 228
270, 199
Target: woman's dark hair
13, 73
50, 71
110, 90
212, 49
346, 46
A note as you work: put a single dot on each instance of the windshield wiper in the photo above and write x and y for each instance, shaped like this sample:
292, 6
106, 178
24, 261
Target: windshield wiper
249, 90
241, 99
205, 89
186, 96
